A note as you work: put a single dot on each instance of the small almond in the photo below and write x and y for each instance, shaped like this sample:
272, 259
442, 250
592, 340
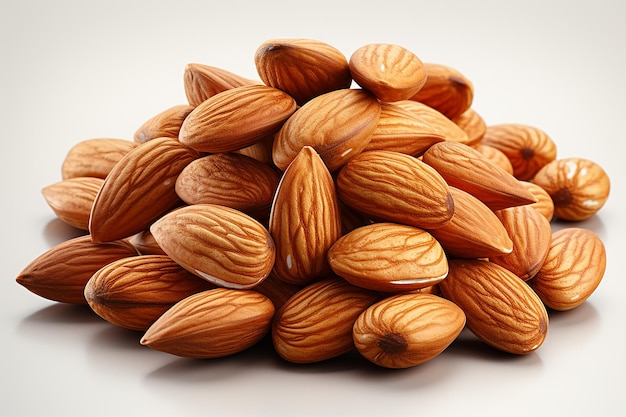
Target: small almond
204, 81
436, 120
94, 157
472, 124
165, 124
72, 199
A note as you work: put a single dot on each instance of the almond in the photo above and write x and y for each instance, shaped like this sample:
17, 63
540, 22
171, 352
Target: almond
389, 257
212, 324
473, 124
222, 245
304, 220
501, 309
315, 324
391, 72
204, 81
133, 292
139, 189
544, 204
236, 118
277, 290
573, 269
165, 124
391, 186
261, 150
145, 243
338, 125
72, 199
436, 120
61, 273
495, 155
303, 68
94, 157
407, 330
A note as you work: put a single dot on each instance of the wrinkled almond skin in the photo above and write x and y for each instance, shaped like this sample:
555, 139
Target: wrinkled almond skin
446, 89
165, 124
72, 199
501, 309
204, 81
391, 72
61, 273
495, 155
236, 118
573, 269
473, 124
389, 257
305, 219
338, 125
231, 180
261, 150
544, 204
578, 187
527, 147
145, 243
391, 186
407, 330
212, 324
315, 324
222, 245
474, 231
139, 189
436, 120
303, 68
530, 232
277, 290
133, 292
94, 157
467, 169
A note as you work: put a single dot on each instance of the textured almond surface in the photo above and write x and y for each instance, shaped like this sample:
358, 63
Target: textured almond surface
495, 155
389, 257
94, 157
165, 124
316, 323
305, 219
204, 81
435, 119
222, 245
72, 199
473, 124
501, 309
212, 324
407, 330
544, 204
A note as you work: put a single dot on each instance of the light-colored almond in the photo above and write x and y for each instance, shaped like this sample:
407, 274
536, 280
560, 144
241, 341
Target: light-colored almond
94, 157
145, 243
544, 204
495, 155
165, 124
472, 124
204, 81
72, 199
436, 120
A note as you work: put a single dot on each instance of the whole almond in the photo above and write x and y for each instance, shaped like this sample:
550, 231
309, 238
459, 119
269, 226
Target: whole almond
303, 68
501, 309
134, 292
305, 219
436, 120
261, 150
391, 72
212, 324
544, 204
389, 257
407, 330
72, 199
222, 245
165, 124
139, 189
277, 290
145, 243
61, 273
573, 269
315, 324
204, 81
472, 124
94, 157
495, 155
236, 118
338, 125
391, 186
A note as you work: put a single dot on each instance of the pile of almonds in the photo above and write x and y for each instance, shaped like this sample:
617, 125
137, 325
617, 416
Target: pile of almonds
332, 205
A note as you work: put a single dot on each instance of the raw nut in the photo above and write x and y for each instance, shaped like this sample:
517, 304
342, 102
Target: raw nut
61, 273
303, 68
446, 90
338, 125
305, 219
94, 157
133, 292
467, 169
261, 151
495, 155
578, 187
544, 204
527, 147
391, 186
315, 324
474, 231
472, 124
139, 189
72, 199
165, 124
530, 232
277, 290
573, 269
389, 257
391, 72
236, 118
229, 179
145, 243
400, 130
212, 324
501, 309
204, 81
436, 120
407, 330
222, 245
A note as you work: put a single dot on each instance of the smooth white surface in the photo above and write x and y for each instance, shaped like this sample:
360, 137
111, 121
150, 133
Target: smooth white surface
73, 70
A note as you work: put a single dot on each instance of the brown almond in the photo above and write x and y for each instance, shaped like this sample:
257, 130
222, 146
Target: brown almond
473, 124
165, 124
94, 157
204, 81
145, 243
72, 199
495, 155
436, 120
544, 204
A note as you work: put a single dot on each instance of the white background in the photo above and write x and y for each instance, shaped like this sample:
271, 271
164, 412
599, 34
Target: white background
73, 70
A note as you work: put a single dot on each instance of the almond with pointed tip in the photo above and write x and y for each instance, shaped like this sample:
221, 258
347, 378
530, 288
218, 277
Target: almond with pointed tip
436, 120
165, 124
139, 189
495, 155
72, 199
145, 243
204, 81
544, 204
94, 157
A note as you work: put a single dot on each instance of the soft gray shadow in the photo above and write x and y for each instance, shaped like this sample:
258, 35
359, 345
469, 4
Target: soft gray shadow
57, 231
593, 223
61, 313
